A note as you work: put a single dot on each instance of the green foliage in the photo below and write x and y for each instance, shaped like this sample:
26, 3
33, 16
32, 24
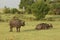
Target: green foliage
27, 4
6, 10
11, 10
51, 12
14, 10
52, 18
55, 7
40, 10
1, 20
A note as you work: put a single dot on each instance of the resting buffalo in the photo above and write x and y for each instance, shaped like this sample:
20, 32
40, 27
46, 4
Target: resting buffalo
43, 26
15, 22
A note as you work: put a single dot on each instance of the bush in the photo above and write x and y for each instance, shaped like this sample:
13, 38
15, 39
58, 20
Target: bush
13, 10
1, 20
50, 19
40, 10
51, 12
6, 10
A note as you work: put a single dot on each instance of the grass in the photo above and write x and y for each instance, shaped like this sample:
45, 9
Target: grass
28, 32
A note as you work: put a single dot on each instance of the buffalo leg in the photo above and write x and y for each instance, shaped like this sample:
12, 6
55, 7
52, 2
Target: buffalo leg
11, 29
17, 29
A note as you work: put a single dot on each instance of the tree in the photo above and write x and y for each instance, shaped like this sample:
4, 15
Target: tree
40, 9
26, 4
55, 7
6, 10
13, 10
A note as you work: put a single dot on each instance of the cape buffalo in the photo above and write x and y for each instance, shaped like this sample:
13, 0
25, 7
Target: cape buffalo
15, 22
43, 26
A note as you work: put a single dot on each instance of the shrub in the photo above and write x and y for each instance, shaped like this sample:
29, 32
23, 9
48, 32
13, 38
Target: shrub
6, 10
40, 10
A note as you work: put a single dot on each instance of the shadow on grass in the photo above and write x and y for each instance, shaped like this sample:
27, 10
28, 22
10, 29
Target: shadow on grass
29, 30
32, 30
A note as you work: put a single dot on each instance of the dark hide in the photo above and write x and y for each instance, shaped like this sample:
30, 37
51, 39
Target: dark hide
16, 23
43, 26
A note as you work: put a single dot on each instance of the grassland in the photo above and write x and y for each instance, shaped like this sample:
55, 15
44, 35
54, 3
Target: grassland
28, 32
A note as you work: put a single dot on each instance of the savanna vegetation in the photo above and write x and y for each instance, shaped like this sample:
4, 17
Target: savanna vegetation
32, 12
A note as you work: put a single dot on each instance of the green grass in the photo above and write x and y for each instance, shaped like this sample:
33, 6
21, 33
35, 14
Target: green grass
28, 32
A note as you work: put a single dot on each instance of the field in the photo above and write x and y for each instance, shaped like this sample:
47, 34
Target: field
28, 32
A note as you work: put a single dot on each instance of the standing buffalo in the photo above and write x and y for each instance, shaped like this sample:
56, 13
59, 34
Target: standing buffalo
15, 22
43, 26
